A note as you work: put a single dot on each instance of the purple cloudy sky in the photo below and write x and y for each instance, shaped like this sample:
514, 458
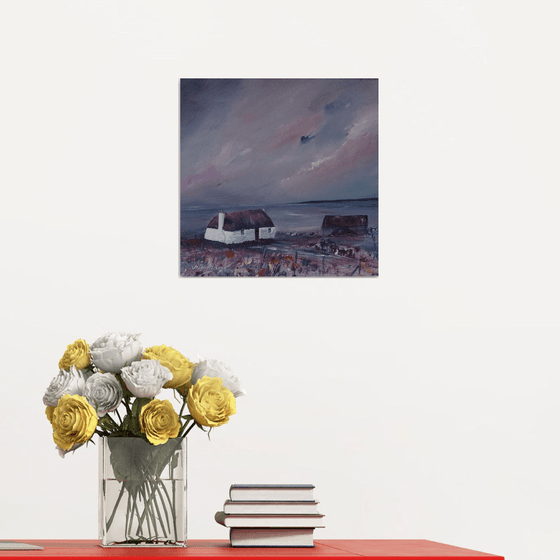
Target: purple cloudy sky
271, 141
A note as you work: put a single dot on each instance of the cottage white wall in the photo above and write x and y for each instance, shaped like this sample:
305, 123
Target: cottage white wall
240, 236
422, 404
213, 234
230, 237
267, 233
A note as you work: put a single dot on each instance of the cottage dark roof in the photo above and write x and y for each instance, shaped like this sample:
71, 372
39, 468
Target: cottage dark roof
345, 221
245, 219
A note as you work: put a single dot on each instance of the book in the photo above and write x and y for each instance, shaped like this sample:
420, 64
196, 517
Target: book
12, 545
271, 492
248, 537
272, 521
296, 508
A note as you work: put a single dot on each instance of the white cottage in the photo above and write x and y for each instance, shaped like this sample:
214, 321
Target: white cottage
240, 227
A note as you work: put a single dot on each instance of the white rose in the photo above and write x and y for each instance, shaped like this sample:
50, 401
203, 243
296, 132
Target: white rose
112, 352
215, 368
145, 378
104, 392
68, 382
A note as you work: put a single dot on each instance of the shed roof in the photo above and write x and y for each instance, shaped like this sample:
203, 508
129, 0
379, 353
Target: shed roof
345, 221
245, 219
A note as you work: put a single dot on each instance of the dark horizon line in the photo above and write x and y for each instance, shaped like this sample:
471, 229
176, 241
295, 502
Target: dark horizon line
205, 205
337, 200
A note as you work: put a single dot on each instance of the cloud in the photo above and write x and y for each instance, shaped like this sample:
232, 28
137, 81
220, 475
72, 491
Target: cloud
270, 141
355, 154
209, 177
319, 162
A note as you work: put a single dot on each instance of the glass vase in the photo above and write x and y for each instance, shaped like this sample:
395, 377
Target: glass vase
142, 492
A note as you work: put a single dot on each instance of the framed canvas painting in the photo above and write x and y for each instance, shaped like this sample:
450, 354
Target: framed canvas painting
279, 177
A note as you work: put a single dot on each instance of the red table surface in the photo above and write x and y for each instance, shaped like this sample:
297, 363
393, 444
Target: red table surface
204, 550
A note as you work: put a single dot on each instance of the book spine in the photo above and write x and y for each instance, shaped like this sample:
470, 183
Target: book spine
278, 538
270, 508
274, 495
249, 521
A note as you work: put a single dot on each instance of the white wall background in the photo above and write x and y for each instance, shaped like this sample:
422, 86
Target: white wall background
422, 404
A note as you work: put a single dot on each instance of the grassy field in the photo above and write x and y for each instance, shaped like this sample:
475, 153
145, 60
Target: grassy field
288, 255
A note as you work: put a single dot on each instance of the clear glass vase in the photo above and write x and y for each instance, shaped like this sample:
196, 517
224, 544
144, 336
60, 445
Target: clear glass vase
142, 492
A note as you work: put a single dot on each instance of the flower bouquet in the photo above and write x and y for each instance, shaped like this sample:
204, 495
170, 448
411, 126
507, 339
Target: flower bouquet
108, 388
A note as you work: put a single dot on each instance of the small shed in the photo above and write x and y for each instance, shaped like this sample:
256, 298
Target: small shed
240, 227
345, 225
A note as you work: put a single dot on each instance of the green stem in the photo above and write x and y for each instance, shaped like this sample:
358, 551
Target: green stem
189, 429
159, 517
159, 482
183, 406
148, 509
172, 504
110, 522
146, 513
135, 508
127, 522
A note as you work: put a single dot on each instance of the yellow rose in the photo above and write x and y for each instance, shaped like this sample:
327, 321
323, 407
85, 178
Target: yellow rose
74, 421
77, 354
210, 403
49, 412
159, 421
174, 361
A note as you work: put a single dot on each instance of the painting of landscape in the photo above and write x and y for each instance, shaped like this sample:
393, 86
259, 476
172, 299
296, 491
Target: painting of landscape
279, 177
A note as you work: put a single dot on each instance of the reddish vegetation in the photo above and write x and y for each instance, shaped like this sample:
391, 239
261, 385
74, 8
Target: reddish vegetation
301, 255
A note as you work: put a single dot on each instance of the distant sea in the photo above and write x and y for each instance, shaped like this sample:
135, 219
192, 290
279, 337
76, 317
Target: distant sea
303, 217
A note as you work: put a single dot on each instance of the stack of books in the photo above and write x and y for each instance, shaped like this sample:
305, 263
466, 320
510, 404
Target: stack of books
271, 515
